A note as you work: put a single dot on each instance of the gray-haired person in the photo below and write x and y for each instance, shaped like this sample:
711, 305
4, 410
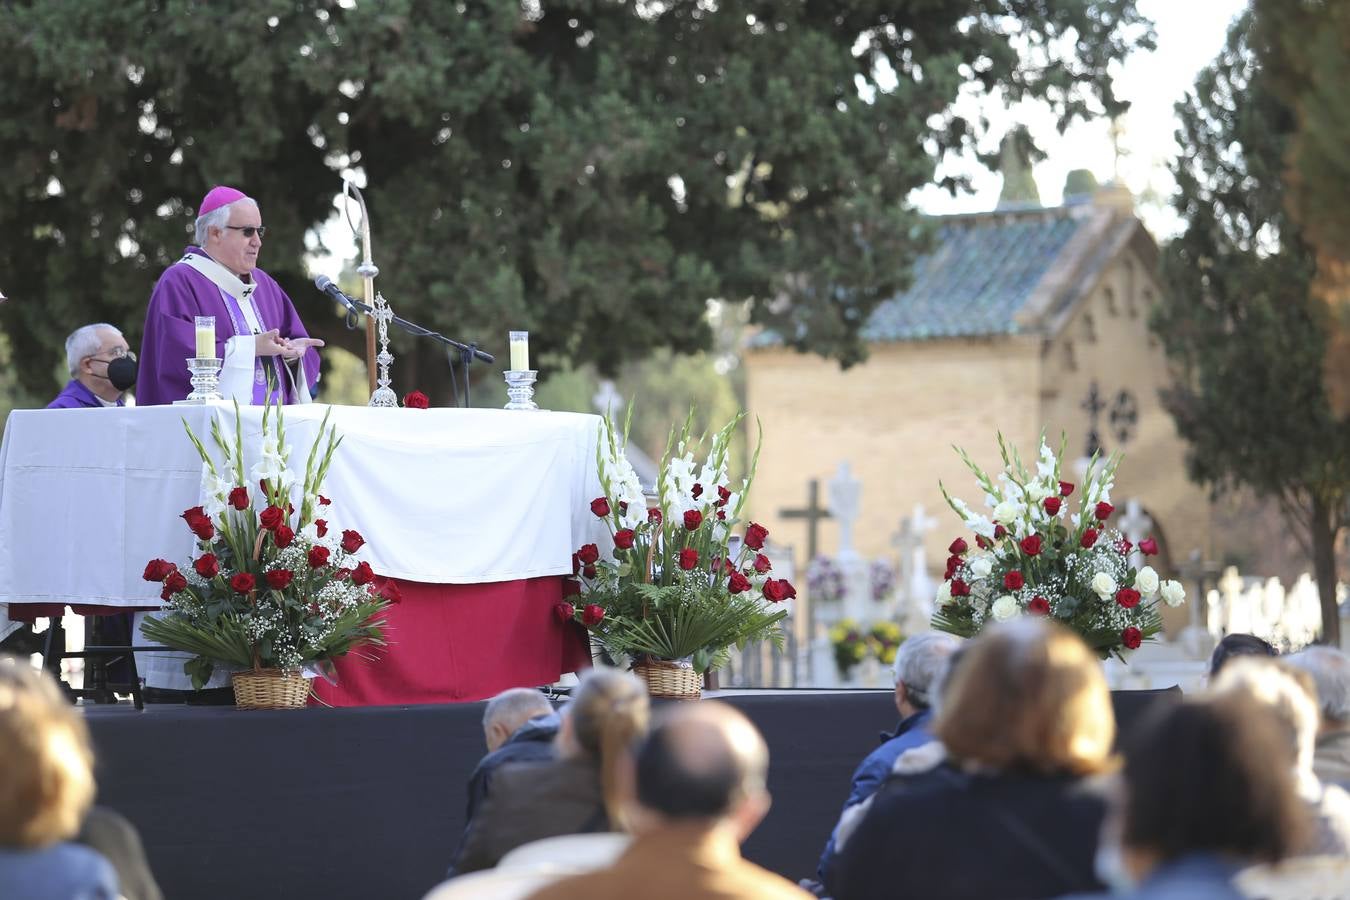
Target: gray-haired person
1330, 671
101, 366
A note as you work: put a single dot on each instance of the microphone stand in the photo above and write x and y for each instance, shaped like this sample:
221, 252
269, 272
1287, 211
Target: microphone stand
467, 352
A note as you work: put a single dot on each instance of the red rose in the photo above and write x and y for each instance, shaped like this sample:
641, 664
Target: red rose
588, 572
1039, 606
416, 400
692, 519
239, 498
205, 530
953, 563
688, 558
755, 535
362, 574
600, 506
175, 582
1123, 547
243, 582
762, 563
158, 569
721, 515
564, 611
1103, 511
1065, 488
352, 541
207, 565
318, 557
389, 591
593, 614
341, 573
278, 579
320, 527
1051, 505
960, 588
1089, 538
999, 532
1031, 545
623, 539
654, 516
324, 501
200, 523
1013, 580
1132, 637
776, 590
958, 546
723, 496
283, 536
1148, 547
1127, 597
982, 542
271, 517
588, 554
738, 583
194, 515
697, 491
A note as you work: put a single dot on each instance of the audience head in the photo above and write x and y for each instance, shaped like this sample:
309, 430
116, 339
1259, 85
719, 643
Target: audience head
919, 664
1198, 778
46, 779
1283, 690
1235, 645
703, 763
1330, 671
608, 713
1028, 695
509, 710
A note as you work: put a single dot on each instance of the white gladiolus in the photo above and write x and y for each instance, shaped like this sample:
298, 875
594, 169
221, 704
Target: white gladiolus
1146, 582
982, 526
1104, 585
1173, 593
1004, 608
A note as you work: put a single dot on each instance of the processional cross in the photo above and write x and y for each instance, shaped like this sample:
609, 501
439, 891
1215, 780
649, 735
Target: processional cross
813, 513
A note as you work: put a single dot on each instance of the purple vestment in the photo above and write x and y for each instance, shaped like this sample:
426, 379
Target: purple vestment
181, 294
76, 396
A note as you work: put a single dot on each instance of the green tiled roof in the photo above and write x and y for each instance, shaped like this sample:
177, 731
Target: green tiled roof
980, 273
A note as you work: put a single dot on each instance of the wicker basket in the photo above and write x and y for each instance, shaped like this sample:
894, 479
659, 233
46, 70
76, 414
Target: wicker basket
670, 680
270, 689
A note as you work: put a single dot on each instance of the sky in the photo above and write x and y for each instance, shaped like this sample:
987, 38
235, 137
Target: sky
1190, 33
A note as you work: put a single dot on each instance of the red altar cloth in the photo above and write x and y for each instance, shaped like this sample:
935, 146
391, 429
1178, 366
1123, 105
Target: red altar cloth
460, 642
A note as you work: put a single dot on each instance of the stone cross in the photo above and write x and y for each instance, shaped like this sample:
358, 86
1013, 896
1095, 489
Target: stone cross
812, 513
915, 584
845, 494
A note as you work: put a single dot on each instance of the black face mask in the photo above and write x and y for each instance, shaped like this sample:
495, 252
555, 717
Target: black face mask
122, 372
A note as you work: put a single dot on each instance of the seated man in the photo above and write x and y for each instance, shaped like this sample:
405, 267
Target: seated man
1330, 671
519, 725
919, 662
698, 792
101, 365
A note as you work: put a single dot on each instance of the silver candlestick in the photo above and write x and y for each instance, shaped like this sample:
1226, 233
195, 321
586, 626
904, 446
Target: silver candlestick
520, 388
384, 395
205, 379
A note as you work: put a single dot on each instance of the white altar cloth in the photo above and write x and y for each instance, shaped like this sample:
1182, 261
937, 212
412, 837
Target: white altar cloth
447, 496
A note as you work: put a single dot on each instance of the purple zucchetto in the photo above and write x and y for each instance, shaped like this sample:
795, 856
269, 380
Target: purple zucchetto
217, 197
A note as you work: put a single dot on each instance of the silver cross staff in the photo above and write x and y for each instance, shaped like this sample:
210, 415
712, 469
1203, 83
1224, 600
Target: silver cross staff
382, 394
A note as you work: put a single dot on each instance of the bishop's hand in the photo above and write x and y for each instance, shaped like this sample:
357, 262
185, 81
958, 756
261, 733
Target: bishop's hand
294, 348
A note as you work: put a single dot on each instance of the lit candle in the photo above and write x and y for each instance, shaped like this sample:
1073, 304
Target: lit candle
206, 337
520, 351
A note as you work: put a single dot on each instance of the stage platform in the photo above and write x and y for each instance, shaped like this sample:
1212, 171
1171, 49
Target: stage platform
369, 802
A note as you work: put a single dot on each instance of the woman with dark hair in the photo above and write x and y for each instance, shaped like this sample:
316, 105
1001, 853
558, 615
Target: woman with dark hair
1013, 811
1201, 800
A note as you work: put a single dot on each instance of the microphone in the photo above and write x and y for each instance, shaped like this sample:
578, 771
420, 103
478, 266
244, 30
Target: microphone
325, 284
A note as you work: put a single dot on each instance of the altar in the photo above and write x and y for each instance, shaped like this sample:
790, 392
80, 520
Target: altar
475, 513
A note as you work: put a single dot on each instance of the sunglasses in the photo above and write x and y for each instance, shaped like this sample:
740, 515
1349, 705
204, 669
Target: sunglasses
249, 230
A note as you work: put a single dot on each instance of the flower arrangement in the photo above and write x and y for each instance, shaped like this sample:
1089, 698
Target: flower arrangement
270, 587
825, 580
881, 574
668, 587
852, 645
1037, 554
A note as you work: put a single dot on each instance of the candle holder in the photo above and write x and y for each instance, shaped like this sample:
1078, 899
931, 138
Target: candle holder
520, 388
205, 379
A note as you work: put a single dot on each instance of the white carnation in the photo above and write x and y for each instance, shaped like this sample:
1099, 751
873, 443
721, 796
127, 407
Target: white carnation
1104, 585
1004, 608
1173, 593
1146, 582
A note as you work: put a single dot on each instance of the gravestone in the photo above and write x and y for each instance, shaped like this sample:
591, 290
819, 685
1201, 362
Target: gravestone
916, 587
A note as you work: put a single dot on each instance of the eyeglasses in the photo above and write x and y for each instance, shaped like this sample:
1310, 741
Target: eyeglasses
119, 353
249, 230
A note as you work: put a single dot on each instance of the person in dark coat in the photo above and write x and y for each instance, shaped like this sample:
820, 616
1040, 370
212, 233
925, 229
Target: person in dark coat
1011, 809
101, 366
576, 793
